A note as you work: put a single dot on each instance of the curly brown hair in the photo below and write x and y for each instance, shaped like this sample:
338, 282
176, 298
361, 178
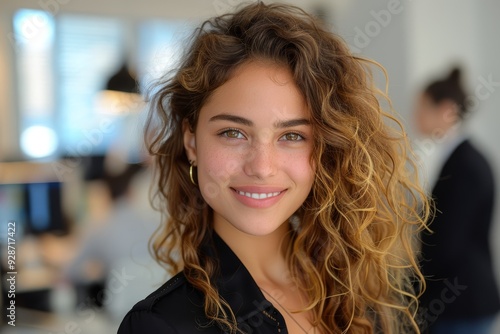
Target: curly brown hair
353, 250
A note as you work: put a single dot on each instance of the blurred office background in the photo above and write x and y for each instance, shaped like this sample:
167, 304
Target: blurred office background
64, 133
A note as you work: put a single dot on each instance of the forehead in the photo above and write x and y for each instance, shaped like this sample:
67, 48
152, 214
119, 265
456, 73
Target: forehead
425, 102
260, 90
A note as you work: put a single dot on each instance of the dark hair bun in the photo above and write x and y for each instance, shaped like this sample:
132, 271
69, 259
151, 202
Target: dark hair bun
454, 76
449, 88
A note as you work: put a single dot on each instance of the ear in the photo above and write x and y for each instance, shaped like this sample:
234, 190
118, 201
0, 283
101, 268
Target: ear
189, 141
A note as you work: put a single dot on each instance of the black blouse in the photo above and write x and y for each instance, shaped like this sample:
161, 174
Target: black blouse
177, 307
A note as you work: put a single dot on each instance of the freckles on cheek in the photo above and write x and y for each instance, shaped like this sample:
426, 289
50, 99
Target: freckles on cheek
221, 167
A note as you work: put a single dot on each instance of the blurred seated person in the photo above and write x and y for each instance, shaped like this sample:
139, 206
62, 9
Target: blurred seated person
114, 263
461, 294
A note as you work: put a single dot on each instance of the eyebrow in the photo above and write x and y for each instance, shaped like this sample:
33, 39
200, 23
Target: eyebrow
291, 123
231, 118
244, 121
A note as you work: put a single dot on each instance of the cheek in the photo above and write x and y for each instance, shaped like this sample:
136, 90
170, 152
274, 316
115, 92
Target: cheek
213, 173
435, 120
217, 165
300, 169
421, 115
424, 119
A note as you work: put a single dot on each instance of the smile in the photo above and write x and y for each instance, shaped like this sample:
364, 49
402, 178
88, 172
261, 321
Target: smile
258, 195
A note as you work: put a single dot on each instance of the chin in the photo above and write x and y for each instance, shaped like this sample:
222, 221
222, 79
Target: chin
257, 228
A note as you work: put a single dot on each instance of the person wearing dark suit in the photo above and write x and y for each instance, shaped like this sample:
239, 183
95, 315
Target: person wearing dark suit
461, 294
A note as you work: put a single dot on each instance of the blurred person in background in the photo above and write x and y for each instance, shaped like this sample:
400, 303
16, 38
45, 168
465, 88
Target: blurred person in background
461, 294
114, 262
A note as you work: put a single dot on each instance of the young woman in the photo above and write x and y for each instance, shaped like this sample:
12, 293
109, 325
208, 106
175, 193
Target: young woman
462, 294
290, 205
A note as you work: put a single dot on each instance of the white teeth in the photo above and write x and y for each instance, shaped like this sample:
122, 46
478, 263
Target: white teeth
259, 195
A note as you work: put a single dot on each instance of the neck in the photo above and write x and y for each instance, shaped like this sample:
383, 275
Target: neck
263, 256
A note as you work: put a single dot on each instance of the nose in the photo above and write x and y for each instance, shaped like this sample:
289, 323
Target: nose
261, 161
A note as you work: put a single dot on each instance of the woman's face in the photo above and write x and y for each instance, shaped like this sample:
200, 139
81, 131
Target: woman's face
434, 119
252, 148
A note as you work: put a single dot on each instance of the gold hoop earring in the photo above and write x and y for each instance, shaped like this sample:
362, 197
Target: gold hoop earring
191, 164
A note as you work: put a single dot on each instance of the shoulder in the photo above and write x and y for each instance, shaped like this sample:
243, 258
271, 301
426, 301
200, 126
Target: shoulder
468, 158
175, 307
148, 303
468, 151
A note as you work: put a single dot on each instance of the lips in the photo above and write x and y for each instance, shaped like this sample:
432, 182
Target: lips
258, 197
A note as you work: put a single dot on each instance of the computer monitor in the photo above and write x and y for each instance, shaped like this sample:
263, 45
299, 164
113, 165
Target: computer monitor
35, 207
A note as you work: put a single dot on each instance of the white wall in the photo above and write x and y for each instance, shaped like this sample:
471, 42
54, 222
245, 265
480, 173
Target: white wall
485, 125
378, 32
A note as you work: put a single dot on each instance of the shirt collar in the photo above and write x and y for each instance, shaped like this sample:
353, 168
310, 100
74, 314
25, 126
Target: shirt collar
453, 139
234, 282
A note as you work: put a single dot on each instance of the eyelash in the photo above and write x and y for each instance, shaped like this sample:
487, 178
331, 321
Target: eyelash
302, 138
223, 133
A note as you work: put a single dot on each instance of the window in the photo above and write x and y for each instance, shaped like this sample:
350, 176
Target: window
62, 65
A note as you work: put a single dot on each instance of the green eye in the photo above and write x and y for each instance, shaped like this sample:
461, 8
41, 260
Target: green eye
292, 136
232, 134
